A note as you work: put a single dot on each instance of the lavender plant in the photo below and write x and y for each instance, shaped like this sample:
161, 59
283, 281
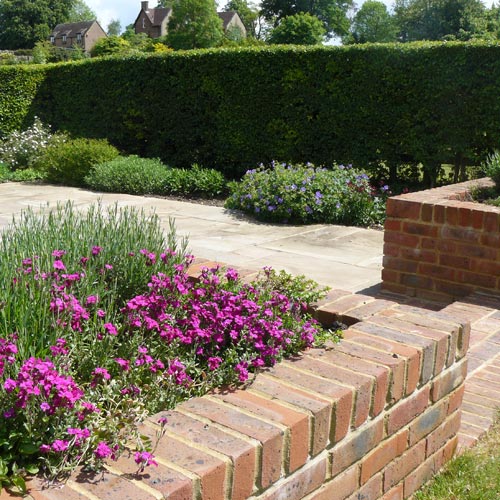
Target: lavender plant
308, 194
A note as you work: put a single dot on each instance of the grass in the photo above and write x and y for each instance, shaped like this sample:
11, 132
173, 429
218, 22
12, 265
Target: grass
474, 475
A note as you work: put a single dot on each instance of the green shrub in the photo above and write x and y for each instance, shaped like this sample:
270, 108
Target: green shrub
492, 167
69, 162
196, 181
136, 175
128, 174
306, 194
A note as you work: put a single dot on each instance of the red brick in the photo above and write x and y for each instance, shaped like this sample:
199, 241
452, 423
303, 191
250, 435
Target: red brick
297, 423
426, 346
460, 234
486, 267
420, 476
411, 354
490, 240
399, 264
300, 484
428, 421
269, 435
448, 429
453, 290
380, 374
455, 261
385, 453
405, 411
427, 209
110, 486
418, 254
339, 488
439, 214
419, 229
356, 446
342, 398
391, 250
451, 216
396, 365
455, 399
448, 380
241, 452
362, 384
395, 493
319, 408
342, 305
481, 280
168, 482
476, 415
402, 466
491, 222
406, 240
372, 489
472, 430
484, 394
476, 251
414, 281
331, 296
403, 209
465, 441
441, 272
210, 470
38, 490
365, 311
442, 339
392, 225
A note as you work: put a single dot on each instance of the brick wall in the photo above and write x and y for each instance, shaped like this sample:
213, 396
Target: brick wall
374, 416
440, 246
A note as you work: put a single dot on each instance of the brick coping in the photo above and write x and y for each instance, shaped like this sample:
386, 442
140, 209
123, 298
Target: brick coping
400, 358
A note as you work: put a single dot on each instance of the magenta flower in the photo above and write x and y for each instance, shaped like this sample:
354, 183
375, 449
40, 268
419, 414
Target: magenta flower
59, 265
91, 299
124, 364
58, 253
144, 458
103, 450
59, 445
110, 329
96, 250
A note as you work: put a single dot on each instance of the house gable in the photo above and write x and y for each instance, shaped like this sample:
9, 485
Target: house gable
152, 21
83, 34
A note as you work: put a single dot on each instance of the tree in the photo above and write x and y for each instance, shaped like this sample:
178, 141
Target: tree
248, 14
332, 13
440, 19
299, 29
110, 45
25, 22
194, 24
81, 12
114, 27
372, 23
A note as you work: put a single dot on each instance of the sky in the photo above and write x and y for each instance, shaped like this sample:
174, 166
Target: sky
127, 10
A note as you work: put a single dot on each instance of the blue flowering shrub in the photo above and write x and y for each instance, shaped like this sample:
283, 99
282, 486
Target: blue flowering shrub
308, 194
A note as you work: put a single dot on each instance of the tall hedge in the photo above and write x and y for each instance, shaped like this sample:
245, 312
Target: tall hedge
233, 108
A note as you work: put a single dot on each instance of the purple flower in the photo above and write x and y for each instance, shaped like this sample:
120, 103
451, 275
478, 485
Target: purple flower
44, 448
103, 450
58, 253
10, 413
144, 458
45, 407
214, 362
91, 299
124, 364
59, 265
96, 250
59, 445
110, 329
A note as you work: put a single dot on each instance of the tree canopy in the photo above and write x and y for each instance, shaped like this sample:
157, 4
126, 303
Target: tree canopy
299, 29
25, 22
372, 23
80, 11
332, 13
194, 24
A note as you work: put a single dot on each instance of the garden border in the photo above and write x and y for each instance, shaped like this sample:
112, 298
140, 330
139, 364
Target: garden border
377, 415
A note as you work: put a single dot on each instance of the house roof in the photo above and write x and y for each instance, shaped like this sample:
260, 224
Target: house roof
226, 17
156, 15
72, 29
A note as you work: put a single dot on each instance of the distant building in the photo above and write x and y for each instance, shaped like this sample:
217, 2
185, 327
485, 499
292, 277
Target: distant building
154, 21
83, 34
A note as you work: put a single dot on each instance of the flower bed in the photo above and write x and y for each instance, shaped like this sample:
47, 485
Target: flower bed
102, 325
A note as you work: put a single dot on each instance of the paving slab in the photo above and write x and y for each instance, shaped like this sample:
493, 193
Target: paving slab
349, 258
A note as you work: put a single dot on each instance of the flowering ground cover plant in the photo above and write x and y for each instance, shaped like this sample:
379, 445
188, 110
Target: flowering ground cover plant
309, 194
100, 325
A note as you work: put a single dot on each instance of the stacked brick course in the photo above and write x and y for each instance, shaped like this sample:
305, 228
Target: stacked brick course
374, 416
440, 246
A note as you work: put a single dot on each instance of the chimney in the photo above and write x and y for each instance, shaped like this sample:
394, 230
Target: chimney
144, 5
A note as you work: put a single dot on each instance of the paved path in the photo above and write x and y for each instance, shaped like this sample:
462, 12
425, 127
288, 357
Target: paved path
342, 257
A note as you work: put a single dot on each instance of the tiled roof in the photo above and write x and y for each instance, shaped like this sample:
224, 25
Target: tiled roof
71, 29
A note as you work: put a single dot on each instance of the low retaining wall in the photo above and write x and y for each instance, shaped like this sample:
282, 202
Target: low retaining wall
439, 246
374, 416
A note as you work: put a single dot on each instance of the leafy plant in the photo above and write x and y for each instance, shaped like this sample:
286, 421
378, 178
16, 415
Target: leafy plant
70, 161
492, 167
194, 181
128, 174
306, 194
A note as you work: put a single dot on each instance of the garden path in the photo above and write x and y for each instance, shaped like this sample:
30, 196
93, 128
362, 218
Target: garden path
349, 258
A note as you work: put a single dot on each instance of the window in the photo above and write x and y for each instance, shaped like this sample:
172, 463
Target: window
52, 39
64, 38
144, 23
78, 37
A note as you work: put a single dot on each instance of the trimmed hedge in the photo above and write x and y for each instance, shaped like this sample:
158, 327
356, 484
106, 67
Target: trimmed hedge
233, 108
